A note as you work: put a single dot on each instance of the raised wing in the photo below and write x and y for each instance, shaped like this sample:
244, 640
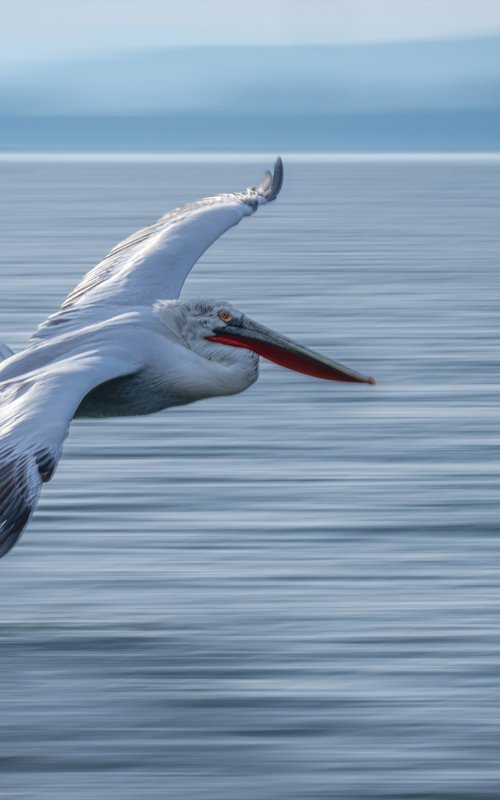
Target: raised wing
36, 408
153, 263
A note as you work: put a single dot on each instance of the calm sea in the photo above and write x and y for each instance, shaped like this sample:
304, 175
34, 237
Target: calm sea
295, 592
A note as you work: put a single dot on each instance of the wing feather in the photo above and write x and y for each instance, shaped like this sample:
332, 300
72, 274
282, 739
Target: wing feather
36, 409
5, 351
154, 262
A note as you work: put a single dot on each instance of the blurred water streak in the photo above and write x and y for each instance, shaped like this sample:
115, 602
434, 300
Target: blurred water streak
292, 593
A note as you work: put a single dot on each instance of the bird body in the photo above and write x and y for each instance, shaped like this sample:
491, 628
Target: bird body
122, 344
175, 366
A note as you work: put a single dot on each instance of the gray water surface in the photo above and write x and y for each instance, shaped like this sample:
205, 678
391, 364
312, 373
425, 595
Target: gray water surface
290, 593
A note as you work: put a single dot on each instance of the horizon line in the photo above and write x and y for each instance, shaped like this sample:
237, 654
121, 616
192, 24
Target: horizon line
226, 157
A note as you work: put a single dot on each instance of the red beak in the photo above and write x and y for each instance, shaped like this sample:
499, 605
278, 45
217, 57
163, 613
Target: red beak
283, 351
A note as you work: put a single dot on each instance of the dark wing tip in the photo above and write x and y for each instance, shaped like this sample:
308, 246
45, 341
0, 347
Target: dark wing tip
20, 481
271, 185
15, 524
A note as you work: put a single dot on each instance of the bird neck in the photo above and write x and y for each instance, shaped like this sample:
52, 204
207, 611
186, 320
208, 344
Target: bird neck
203, 368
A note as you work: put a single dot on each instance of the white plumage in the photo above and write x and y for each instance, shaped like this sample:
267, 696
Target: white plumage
122, 344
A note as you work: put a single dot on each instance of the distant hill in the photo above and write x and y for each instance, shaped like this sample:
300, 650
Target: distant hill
440, 95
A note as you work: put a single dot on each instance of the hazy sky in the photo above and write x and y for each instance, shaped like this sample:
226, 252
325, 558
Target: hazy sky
53, 29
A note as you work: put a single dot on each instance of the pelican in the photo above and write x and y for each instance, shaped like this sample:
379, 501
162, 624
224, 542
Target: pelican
123, 344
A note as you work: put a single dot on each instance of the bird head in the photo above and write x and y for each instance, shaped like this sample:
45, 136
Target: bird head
221, 332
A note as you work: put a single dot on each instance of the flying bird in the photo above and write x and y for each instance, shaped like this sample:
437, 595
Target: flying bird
122, 344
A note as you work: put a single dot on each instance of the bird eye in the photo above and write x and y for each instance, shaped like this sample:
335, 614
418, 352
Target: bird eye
225, 315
